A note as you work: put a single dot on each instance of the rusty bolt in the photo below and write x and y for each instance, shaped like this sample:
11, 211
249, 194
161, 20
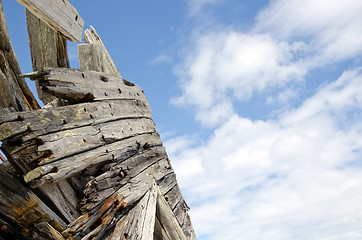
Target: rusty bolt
122, 174
4, 230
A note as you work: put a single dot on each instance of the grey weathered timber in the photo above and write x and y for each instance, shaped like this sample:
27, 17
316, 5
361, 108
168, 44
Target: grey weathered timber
48, 48
86, 86
14, 92
108, 66
167, 220
59, 15
140, 221
24, 212
92, 155
51, 120
91, 57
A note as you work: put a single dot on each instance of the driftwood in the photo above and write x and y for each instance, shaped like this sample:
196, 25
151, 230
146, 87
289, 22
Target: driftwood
90, 164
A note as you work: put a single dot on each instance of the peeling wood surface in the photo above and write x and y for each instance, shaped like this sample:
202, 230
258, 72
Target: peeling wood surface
59, 15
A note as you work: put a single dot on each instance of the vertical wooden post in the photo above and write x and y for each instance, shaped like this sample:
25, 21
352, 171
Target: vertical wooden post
47, 48
14, 92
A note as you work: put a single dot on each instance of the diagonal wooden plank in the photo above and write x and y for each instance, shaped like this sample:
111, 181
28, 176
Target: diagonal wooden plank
59, 15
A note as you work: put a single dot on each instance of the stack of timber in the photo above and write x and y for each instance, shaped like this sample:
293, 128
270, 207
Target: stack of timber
90, 164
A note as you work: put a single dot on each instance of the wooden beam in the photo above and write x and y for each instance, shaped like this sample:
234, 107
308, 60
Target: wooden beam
48, 48
91, 57
59, 15
168, 220
23, 213
85, 86
91, 37
14, 92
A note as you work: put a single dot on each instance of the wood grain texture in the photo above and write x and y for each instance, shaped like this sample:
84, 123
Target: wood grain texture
60, 15
22, 211
48, 48
14, 92
85, 86
91, 37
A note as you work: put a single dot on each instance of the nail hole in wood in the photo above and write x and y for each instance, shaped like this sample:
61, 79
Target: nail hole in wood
64, 122
120, 91
90, 115
84, 140
84, 109
103, 78
76, 17
105, 94
83, 75
54, 170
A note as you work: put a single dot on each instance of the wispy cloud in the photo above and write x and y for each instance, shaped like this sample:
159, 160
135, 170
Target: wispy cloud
293, 176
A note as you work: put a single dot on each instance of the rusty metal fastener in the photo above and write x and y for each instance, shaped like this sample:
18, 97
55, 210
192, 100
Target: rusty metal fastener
186, 207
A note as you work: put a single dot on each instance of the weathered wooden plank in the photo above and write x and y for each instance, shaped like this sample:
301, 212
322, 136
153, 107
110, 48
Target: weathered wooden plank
108, 66
20, 209
140, 221
63, 197
188, 229
90, 57
168, 219
59, 15
57, 119
75, 164
159, 233
48, 48
84, 86
14, 92
152, 161
125, 196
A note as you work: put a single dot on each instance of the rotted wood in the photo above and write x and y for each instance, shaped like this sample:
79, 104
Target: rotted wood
91, 37
140, 221
23, 214
86, 86
151, 161
14, 92
60, 15
48, 48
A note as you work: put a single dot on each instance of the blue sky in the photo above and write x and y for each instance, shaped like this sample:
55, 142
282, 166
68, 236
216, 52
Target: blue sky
258, 103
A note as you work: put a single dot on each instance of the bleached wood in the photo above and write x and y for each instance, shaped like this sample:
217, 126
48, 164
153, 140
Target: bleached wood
168, 220
91, 57
92, 37
84, 86
14, 92
48, 48
59, 15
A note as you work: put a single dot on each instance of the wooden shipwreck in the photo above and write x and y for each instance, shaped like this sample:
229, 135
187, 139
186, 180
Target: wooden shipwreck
90, 164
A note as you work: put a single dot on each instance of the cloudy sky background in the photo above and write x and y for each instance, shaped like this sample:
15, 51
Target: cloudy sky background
258, 103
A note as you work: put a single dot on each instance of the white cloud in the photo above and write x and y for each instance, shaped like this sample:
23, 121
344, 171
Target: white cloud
331, 28
195, 6
297, 177
228, 65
